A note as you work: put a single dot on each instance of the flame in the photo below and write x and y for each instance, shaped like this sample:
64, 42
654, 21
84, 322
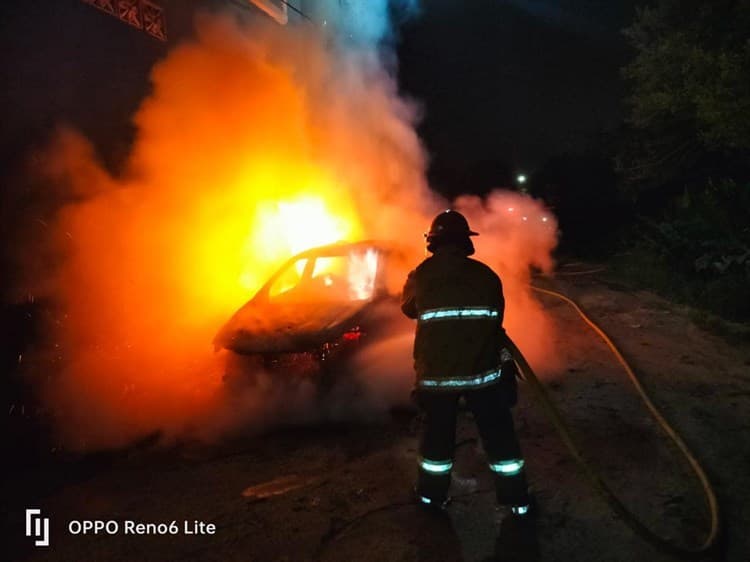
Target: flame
307, 223
362, 271
253, 145
223, 186
286, 228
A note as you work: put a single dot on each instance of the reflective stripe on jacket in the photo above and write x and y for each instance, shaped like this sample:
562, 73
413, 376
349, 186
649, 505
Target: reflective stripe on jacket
458, 304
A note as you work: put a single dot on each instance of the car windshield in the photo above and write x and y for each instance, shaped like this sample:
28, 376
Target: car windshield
344, 277
289, 279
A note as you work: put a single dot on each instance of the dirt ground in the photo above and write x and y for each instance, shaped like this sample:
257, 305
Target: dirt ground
348, 486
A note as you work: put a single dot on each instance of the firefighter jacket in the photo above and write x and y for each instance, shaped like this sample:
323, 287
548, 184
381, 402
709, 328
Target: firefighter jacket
458, 304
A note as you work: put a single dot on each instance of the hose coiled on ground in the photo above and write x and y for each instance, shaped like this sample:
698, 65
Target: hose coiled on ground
593, 477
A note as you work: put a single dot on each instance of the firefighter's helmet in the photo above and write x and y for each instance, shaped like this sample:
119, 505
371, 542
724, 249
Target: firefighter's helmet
450, 228
449, 224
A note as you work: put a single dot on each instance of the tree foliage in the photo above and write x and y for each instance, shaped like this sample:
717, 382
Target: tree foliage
690, 81
685, 157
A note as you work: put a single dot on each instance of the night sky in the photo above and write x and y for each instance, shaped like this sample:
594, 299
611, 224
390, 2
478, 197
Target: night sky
503, 84
512, 83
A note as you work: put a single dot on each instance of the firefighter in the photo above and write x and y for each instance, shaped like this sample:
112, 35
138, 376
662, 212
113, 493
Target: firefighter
458, 351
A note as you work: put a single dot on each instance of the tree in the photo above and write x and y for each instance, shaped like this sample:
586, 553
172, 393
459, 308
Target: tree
690, 81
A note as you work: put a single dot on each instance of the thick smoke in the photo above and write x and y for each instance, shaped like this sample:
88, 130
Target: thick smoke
362, 27
518, 234
257, 142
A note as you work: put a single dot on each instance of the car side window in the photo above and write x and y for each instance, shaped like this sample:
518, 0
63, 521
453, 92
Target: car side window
330, 272
348, 277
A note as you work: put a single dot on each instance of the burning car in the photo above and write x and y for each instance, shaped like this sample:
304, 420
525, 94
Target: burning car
318, 309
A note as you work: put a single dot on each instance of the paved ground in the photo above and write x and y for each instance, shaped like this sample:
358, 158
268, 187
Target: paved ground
346, 487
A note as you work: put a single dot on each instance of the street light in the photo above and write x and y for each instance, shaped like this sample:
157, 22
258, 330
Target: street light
521, 178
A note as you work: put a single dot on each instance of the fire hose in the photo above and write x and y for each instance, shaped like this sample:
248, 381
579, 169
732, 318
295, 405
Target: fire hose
593, 477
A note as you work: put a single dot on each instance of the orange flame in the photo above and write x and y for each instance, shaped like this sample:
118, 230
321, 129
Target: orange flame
252, 146
223, 187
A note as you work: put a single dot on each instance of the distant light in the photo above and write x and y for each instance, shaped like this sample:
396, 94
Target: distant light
525, 218
510, 209
544, 219
521, 178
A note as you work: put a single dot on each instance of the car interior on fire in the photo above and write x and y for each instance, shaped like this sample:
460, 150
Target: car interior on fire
349, 276
313, 298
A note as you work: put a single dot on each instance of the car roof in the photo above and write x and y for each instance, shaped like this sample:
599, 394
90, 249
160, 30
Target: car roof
341, 248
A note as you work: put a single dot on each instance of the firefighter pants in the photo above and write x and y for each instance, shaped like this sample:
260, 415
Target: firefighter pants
495, 425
